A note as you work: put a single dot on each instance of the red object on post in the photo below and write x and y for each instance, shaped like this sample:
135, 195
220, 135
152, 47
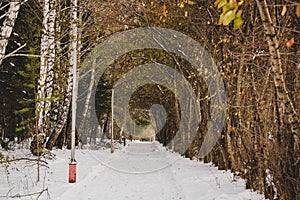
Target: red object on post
72, 172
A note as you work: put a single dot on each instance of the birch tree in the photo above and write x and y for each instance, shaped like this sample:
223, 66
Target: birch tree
273, 120
64, 104
275, 59
45, 82
8, 24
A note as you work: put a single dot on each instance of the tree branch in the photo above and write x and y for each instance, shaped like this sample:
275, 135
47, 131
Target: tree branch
26, 195
14, 51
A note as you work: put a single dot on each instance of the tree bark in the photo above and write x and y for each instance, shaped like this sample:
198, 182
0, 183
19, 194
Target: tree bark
64, 107
50, 63
279, 80
7, 27
45, 82
43, 69
63, 112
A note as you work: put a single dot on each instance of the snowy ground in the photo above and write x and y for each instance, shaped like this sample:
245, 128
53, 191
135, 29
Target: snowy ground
141, 170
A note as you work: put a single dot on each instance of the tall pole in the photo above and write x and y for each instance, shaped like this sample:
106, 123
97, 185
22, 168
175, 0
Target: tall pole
112, 121
73, 62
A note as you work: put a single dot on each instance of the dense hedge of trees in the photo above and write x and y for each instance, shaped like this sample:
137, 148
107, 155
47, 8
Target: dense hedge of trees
255, 45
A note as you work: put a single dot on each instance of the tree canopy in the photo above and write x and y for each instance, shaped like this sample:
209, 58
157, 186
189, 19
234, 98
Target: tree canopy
254, 44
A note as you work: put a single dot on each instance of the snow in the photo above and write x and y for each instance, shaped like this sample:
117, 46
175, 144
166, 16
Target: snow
141, 170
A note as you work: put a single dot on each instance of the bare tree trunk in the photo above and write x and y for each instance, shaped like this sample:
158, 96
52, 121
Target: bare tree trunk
63, 111
62, 106
38, 139
45, 82
7, 27
50, 63
43, 69
57, 87
83, 125
279, 81
47, 64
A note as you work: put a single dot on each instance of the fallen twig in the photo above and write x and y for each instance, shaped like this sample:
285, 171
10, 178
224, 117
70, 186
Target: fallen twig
26, 195
20, 159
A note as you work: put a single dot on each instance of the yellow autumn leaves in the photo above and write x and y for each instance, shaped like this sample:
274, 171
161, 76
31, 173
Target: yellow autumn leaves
181, 4
230, 12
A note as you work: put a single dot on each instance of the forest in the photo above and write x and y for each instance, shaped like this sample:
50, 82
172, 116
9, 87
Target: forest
255, 45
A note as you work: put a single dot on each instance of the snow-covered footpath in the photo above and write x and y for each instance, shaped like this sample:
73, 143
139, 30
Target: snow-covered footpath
141, 170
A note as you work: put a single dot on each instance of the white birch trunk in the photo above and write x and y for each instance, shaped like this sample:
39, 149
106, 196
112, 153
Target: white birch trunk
41, 95
7, 27
50, 62
60, 106
63, 111
45, 83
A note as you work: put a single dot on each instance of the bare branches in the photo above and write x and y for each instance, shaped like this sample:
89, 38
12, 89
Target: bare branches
24, 159
27, 195
14, 51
